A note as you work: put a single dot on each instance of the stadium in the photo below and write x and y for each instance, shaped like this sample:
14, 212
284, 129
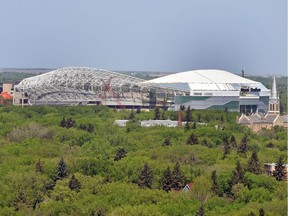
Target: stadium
199, 89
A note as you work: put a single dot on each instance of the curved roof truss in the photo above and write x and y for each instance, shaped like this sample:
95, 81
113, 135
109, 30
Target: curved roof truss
86, 84
79, 78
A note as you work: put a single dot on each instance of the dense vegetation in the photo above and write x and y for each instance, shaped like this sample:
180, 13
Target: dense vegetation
74, 161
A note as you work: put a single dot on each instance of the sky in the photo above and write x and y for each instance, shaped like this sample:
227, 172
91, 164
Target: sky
150, 35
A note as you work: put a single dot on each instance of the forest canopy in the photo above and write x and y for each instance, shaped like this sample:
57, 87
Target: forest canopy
75, 161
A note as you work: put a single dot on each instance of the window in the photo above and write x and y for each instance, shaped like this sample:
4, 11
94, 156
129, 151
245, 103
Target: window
25, 101
197, 93
208, 94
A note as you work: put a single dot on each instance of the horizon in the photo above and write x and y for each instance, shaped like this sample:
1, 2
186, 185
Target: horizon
36, 70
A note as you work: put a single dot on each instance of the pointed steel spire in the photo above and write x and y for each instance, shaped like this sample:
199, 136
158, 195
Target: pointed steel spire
274, 90
274, 105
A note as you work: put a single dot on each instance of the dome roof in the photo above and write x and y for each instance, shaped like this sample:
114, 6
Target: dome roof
203, 80
202, 76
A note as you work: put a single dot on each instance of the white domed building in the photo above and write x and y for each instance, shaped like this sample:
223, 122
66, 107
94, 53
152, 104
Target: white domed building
216, 89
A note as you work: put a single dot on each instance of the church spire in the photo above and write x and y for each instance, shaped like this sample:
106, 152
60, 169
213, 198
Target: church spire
274, 90
274, 105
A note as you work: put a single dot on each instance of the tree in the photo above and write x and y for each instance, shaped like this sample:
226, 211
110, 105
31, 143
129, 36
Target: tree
166, 142
132, 115
81, 126
63, 122
68, 123
188, 117
227, 148
90, 128
194, 125
253, 164
233, 142
215, 187
74, 184
39, 166
192, 140
187, 125
238, 174
279, 172
100, 212
242, 148
62, 170
205, 143
182, 108
146, 177
167, 180
270, 145
261, 212
50, 185
177, 177
199, 117
157, 113
163, 117
200, 211
19, 200
121, 153
222, 120
228, 189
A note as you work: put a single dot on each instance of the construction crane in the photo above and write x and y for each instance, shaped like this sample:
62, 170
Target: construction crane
108, 89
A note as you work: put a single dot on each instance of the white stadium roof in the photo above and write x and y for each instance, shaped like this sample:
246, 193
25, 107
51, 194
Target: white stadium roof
215, 80
202, 76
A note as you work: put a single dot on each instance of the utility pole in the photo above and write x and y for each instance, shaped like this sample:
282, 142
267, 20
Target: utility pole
243, 72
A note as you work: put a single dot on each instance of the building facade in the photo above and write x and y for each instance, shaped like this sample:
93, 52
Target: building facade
199, 89
216, 89
258, 121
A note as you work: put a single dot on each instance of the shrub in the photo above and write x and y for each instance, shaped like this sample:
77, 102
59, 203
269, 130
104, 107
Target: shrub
33, 130
259, 195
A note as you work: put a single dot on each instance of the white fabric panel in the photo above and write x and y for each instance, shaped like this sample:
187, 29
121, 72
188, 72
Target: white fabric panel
202, 76
202, 86
221, 87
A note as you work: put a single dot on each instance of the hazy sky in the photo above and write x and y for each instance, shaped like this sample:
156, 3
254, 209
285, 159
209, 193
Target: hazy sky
148, 35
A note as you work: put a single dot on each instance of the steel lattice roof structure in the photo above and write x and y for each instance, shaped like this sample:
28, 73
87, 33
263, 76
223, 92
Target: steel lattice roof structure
72, 85
76, 84
76, 77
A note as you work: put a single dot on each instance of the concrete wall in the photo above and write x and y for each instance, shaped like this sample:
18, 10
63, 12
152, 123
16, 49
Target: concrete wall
7, 87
